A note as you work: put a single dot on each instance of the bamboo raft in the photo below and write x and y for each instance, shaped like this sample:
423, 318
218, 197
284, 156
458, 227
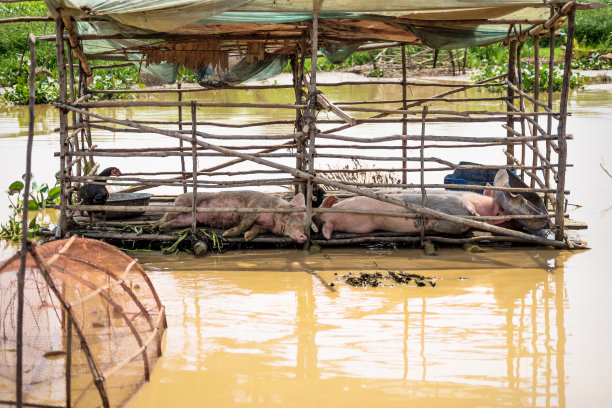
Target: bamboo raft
534, 141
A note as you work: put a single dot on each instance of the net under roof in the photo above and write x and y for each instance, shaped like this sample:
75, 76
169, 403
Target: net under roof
206, 34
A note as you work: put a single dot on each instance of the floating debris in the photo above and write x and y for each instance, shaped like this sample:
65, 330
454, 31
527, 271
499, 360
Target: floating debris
472, 248
387, 279
314, 249
430, 249
54, 354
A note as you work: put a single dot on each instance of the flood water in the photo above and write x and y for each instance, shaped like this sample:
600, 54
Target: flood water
508, 327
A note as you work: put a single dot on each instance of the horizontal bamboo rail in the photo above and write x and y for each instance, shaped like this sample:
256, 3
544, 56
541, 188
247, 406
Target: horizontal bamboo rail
359, 170
267, 210
255, 87
393, 101
125, 104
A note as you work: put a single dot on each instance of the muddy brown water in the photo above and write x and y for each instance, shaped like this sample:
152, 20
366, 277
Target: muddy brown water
508, 327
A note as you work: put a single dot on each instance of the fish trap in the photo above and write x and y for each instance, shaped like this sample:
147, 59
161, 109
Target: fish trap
92, 326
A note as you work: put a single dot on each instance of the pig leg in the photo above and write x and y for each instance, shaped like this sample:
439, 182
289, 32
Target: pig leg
241, 228
163, 220
173, 220
253, 232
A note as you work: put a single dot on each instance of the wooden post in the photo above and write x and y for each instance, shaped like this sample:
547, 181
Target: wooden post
75, 135
561, 129
180, 126
68, 362
61, 66
519, 77
24, 228
423, 192
551, 81
194, 156
297, 70
86, 132
312, 112
452, 60
404, 107
536, 96
511, 79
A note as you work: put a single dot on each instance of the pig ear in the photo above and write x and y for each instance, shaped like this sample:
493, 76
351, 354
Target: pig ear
329, 201
298, 200
489, 193
328, 228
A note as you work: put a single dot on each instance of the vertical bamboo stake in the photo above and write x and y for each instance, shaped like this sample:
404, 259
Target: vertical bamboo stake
452, 60
61, 64
68, 363
536, 96
511, 79
312, 112
74, 138
561, 128
180, 126
86, 132
404, 116
24, 228
297, 89
519, 76
194, 156
551, 63
423, 192
465, 53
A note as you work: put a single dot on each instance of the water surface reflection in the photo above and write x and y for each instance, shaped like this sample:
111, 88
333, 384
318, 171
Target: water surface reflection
254, 327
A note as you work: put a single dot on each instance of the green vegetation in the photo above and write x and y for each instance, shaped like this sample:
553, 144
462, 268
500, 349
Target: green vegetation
528, 76
41, 196
593, 37
594, 27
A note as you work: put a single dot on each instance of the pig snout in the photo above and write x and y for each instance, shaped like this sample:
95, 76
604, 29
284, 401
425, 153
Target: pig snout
299, 237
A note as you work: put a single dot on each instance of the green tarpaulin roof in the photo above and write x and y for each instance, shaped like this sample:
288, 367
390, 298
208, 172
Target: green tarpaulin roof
205, 33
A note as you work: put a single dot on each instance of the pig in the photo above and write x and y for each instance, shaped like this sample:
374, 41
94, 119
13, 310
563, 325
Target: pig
249, 224
484, 204
454, 204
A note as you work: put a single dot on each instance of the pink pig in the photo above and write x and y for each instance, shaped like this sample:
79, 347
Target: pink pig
249, 224
449, 203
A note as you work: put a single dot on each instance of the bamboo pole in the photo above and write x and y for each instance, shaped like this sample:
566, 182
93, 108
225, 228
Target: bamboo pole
194, 177
68, 366
267, 210
343, 186
297, 90
519, 75
24, 228
387, 102
180, 127
536, 96
74, 43
551, 75
312, 119
423, 191
404, 116
164, 104
442, 94
561, 129
537, 153
98, 380
118, 309
512, 79
61, 63
518, 163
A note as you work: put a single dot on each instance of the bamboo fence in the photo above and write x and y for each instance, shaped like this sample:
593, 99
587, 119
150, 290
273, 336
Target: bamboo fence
317, 130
